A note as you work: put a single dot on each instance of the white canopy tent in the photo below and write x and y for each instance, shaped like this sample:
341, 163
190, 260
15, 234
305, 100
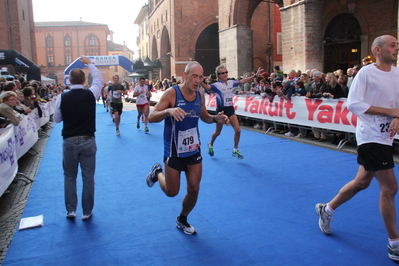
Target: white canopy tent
46, 80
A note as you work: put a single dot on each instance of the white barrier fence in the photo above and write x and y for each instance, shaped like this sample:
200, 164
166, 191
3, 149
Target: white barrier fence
330, 114
15, 141
325, 113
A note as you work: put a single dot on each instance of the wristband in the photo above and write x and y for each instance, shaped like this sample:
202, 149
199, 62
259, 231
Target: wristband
214, 119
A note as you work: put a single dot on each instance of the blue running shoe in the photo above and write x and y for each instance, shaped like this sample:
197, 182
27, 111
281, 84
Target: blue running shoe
210, 150
237, 154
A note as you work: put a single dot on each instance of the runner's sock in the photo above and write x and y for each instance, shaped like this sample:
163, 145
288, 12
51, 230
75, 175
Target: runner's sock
157, 172
182, 217
328, 209
393, 242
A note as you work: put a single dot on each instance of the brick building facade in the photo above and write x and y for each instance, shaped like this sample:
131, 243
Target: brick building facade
295, 34
179, 31
333, 34
17, 28
60, 43
314, 33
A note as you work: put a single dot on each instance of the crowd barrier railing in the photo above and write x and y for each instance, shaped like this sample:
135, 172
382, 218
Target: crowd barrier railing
15, 141
324, 113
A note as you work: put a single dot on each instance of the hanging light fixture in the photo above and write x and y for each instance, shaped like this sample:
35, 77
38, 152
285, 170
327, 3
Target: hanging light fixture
351, 6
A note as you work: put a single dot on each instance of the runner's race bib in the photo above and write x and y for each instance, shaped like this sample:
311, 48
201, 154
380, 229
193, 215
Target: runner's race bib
383, 123
187, 141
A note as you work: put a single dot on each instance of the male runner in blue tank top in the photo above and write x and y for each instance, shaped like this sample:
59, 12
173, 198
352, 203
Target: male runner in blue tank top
181, 107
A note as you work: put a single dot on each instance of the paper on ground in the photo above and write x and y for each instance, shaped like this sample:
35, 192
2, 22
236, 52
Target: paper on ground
31, 222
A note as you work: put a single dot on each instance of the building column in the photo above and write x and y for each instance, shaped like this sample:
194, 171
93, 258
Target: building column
235, 44
302, 36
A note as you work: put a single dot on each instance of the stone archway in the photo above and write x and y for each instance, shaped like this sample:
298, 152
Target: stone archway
247, 40
342, 43
154, 50
165, 54
207, 49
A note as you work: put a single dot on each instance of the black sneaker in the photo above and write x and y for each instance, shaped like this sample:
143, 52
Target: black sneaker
185, 226
152, 177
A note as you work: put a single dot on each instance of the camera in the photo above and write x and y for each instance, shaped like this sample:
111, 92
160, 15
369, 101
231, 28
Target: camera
19, 109
4, 122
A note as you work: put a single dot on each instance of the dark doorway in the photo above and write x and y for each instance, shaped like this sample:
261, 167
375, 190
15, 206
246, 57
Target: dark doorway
342, 43
166, 53
207, 49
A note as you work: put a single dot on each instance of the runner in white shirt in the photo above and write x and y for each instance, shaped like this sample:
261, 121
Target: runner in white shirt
143, 108
374, 99
223, 90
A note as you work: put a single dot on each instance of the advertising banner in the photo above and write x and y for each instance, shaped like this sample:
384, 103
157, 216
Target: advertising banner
8, 158
323, 113
26, 133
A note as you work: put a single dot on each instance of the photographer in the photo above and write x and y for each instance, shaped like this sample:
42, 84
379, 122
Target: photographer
20, 107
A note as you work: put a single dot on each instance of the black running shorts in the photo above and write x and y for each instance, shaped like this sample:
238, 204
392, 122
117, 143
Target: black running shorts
180, 163
227, 110
375, 156
116, 107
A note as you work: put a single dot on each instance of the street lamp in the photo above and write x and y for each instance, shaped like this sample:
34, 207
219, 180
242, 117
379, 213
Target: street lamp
351, 6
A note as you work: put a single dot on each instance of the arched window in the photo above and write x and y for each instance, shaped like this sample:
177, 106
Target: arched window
67, 41
342, 43
92, 41
92, 45
343, 26
49, 41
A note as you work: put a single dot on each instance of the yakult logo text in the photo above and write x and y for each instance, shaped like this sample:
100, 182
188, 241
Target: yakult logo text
264, 106
324, 113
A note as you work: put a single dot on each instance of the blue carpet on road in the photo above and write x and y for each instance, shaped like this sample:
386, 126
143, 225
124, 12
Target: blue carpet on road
255, 211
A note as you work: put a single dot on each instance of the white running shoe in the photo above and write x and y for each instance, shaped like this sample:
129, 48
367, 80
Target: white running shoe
152, 177
185, 226
289, 134
86, 217
324, 218
71, 215
393, 253
118, 133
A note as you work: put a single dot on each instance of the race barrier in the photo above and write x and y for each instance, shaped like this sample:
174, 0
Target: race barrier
324, 113
330, 114
15, 141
